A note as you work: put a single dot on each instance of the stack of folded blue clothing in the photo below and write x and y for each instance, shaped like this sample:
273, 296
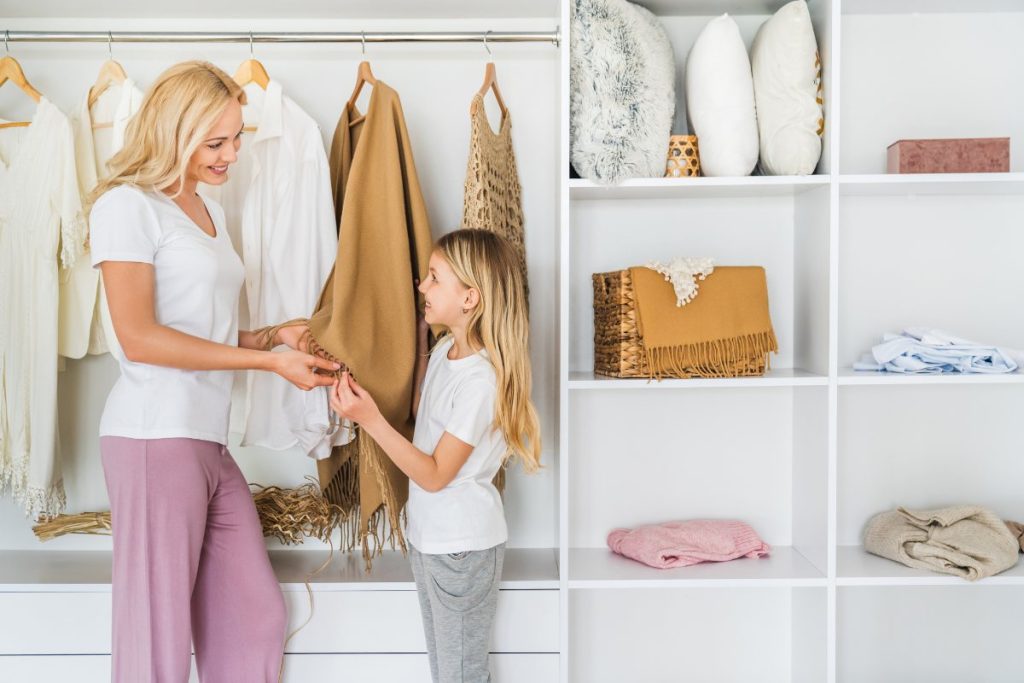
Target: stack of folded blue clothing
923, 351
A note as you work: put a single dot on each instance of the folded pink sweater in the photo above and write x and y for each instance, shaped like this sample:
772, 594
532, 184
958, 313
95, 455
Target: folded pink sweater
680, 544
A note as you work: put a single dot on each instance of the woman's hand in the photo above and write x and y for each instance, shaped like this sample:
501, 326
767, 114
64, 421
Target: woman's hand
291, 337
352, 402
300, 369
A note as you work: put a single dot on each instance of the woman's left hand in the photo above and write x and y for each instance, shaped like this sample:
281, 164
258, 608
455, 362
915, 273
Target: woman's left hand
352, 402
292, 337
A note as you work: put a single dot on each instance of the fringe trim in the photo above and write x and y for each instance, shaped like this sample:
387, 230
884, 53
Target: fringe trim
733, 357
37, 502
384, 525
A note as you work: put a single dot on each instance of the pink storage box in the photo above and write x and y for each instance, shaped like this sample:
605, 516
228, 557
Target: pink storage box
957, 155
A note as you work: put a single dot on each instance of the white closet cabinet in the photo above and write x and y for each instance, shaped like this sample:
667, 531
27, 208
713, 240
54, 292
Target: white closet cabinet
806, 454
809, 452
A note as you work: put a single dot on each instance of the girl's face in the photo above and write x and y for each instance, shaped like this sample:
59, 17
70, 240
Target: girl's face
209, 163
445, 296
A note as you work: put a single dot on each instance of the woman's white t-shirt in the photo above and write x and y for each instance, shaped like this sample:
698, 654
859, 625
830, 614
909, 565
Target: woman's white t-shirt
197, 283
459, 397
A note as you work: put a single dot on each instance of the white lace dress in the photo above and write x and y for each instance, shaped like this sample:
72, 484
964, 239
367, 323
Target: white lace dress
42, 233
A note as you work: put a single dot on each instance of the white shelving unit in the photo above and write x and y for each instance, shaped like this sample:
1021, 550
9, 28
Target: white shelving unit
810, 451
804, 454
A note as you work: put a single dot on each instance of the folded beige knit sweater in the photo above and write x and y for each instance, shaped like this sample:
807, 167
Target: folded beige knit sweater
964, 540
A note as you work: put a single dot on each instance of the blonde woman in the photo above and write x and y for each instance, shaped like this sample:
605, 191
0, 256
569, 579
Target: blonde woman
473, 413
190, 565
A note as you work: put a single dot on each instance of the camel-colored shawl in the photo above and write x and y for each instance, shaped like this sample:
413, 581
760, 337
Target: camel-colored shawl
366, 316
726, 331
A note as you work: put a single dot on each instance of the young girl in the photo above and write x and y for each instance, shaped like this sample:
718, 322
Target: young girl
473, 413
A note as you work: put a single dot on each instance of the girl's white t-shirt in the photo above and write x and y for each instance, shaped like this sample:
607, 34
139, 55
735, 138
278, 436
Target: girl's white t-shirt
198, 279
459, 397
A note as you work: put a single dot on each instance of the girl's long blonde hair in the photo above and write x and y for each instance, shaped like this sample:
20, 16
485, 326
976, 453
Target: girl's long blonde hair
488, 263
179, 109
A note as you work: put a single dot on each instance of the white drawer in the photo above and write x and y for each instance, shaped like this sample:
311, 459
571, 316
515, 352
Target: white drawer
355, 621
343, 622
411, 668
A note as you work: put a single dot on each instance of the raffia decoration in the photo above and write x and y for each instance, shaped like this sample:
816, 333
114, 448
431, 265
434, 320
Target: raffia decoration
287, 514
290, 515
92, 523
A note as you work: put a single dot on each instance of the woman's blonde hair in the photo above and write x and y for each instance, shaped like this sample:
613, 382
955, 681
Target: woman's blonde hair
489, 264
179, 109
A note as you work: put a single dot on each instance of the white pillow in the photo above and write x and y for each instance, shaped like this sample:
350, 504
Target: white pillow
720, 100
787, 80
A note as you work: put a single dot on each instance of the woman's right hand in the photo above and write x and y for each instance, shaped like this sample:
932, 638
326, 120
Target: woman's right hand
300, 369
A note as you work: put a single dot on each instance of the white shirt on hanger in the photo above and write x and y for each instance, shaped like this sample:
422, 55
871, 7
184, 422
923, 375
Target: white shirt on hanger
280, 213
82, 304
40, 221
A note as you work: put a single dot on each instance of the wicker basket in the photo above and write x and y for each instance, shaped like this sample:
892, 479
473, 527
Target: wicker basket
683, 158
618, 348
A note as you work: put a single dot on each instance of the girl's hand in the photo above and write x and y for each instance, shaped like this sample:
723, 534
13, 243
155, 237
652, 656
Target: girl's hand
352, 402
291, 337
300, 369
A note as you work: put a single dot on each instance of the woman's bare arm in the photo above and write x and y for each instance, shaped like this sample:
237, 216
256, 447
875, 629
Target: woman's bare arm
130, 287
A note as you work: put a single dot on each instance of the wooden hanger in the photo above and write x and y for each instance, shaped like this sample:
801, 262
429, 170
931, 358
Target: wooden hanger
11, 71
251, 71
363, 76
491, 83
110, 73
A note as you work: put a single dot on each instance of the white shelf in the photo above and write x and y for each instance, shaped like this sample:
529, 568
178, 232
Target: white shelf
710, 8
599, 568
851, 377
929, 6
83, 571
932, 183
782, 377
694, 188
857, 567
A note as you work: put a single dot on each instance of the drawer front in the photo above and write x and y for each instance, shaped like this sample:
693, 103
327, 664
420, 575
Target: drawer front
411, 668
343, 621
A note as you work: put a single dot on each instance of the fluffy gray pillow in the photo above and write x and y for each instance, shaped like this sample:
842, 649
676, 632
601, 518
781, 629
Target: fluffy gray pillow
622, 91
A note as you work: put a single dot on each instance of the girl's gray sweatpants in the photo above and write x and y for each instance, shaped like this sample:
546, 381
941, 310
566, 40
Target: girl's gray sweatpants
458, 595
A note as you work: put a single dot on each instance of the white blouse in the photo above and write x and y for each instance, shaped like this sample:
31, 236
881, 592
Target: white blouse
280, 213
81, 300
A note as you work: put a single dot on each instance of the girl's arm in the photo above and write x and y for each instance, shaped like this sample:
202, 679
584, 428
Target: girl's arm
129, 288
431, 473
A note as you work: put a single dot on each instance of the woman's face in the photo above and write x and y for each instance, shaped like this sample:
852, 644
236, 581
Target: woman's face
219, 149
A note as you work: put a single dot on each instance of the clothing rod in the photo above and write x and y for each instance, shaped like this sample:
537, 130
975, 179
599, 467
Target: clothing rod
277, 37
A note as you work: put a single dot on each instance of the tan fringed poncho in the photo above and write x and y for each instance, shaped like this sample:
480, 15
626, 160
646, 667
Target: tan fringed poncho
725, 331
366, 316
